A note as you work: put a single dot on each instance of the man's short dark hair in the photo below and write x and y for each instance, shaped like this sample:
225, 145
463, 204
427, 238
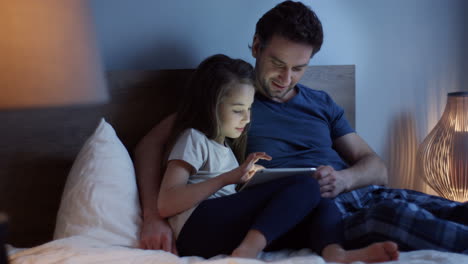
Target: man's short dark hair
293, 21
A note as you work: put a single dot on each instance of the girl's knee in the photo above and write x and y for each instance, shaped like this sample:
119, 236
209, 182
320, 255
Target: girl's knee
306, 184
307, 180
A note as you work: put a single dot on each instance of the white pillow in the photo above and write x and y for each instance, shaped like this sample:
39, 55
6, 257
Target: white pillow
100, 199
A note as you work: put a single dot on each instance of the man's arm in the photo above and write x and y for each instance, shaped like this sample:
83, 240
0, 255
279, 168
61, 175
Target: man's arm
155, 232
366, 167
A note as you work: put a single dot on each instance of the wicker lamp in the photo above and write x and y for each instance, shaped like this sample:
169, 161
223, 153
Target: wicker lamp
443, 155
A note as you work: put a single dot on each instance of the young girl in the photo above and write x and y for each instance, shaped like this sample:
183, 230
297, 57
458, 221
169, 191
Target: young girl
198, 189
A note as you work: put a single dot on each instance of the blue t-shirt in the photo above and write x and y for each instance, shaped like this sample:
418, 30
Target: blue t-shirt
299, 132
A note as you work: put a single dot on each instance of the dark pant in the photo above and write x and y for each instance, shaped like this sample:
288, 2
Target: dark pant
289, 212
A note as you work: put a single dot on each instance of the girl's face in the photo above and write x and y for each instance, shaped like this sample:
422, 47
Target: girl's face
234, 110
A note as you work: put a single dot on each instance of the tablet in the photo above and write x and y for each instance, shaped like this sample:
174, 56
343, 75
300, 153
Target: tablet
266, 175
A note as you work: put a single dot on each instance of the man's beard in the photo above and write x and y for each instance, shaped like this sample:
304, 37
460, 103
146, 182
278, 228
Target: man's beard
269, 92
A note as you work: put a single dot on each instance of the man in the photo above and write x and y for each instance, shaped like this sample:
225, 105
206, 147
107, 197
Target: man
301, 129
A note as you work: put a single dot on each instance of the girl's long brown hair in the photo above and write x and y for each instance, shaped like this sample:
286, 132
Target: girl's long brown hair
203, 94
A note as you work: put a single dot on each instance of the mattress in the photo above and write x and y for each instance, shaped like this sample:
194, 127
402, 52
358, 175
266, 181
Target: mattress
83, 250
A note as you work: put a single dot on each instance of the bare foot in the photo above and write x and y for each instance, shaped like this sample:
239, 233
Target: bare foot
254, 242
245, 252
376, 252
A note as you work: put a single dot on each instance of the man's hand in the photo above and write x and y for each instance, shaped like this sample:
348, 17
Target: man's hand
331, 182
157, 234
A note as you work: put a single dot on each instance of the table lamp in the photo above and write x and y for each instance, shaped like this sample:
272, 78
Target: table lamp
443, 155
48, 55
48, 58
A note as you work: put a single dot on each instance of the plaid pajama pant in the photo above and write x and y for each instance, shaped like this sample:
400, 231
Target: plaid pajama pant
412, 219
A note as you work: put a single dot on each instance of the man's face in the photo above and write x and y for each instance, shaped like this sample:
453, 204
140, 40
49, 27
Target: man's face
279, 66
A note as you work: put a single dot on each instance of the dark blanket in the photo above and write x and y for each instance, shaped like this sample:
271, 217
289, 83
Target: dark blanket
412, 219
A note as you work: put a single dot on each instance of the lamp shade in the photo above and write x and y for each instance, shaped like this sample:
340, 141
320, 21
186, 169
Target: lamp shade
443, 155
48, 54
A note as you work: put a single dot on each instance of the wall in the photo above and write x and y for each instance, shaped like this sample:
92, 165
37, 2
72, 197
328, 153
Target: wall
408, 55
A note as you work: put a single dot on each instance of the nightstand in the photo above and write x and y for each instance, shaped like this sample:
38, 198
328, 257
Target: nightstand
3, 231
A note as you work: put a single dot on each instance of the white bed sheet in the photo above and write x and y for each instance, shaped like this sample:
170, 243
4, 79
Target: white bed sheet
79, 249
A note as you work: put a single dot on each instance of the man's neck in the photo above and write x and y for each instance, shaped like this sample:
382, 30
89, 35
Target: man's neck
288, 96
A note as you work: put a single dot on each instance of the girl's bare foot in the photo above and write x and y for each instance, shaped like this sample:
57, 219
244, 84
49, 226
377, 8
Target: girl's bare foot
244, 252
376, 252
253, 243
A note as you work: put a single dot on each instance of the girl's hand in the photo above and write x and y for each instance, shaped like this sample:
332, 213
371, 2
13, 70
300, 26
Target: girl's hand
252, 172
247, 169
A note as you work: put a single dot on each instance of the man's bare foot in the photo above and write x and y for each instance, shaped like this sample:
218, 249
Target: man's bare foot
376, 252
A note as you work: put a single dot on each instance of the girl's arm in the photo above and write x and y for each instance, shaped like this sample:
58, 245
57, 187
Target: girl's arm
176, 195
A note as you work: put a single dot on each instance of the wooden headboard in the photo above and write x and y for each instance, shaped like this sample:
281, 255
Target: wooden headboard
38, 146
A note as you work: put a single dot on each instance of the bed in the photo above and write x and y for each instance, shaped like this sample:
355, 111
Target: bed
68, 183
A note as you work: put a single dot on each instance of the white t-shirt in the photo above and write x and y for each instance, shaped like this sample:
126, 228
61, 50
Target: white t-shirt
204, 155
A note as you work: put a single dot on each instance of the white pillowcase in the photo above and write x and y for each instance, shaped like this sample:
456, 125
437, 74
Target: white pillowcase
100, 199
